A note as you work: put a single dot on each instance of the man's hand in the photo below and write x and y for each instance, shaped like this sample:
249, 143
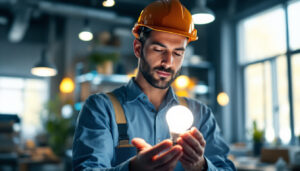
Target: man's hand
193, 145
162, 156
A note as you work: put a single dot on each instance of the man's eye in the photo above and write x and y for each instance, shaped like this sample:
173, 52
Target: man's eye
158, 50
178, 54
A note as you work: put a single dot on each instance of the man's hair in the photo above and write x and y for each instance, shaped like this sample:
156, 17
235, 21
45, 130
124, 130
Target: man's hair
144, 33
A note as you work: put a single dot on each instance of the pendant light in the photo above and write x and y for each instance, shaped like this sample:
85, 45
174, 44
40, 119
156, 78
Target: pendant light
44, 68
86, 34
108, 3
201, 14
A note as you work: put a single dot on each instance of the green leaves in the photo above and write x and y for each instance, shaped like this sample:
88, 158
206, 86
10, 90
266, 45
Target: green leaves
258, 135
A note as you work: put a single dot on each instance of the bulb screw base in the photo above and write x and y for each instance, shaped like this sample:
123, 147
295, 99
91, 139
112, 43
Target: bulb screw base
174, 137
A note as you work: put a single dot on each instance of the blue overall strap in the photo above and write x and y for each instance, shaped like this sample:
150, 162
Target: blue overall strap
120, 120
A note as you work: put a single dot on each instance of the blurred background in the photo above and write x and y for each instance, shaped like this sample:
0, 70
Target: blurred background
55, 53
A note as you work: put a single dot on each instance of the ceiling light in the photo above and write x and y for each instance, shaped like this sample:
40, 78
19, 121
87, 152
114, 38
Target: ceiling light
44, 68
108, 3
86, 34
201, 14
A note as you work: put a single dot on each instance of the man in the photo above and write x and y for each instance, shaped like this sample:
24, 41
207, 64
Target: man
162, 33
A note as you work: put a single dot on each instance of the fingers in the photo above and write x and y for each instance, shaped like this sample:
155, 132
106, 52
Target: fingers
197, 134
140, 144
193, 145
168, 160
164, 145
190, 144
189, 153
163, 158
162, 155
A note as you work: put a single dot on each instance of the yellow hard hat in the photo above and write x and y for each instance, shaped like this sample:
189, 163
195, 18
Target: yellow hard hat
167, 16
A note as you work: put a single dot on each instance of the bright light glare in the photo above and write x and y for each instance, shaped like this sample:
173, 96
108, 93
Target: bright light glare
43, 71
182, 81
285, 135
67, 111
270, 136
179, 119
223, 99
85, 36
66, 85
203, 18
108, 3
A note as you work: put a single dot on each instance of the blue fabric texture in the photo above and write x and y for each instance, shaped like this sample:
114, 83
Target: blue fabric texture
96, 134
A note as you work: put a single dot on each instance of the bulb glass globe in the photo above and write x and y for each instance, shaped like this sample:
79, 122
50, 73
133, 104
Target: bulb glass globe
179, 119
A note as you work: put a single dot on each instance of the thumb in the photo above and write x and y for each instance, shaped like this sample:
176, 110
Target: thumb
140, 144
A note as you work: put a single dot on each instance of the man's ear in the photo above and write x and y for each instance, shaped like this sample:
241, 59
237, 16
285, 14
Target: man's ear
137, 47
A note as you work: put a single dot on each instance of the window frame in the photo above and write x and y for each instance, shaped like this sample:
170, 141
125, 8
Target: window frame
241, 65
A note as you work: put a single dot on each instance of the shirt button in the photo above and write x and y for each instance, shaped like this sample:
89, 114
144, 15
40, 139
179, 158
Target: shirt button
144, 97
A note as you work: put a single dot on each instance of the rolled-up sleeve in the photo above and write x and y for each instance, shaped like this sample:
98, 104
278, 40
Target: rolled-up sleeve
93, 144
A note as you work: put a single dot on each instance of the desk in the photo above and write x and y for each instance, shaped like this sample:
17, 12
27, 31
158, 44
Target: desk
252, 164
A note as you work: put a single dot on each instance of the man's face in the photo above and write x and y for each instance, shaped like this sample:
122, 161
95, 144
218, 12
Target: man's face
161, 58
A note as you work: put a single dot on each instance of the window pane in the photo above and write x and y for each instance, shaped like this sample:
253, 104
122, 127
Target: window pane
296, 91
283, 101
262, 35
259, 102
35, 98
294, 24
25, 97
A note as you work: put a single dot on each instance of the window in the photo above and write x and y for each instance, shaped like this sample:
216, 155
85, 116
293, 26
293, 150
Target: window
296, 91
262, 36
264, 60
25, 97
294, 24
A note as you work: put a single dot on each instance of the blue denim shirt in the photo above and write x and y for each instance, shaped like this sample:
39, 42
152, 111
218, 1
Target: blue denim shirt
96, 134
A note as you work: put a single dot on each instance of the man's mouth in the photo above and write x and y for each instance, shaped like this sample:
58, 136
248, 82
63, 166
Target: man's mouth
163, 74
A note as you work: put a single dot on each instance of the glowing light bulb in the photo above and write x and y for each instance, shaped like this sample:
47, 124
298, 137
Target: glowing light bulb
179, 119
85, 35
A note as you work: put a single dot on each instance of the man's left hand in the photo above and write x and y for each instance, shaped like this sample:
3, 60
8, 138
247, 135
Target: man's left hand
193, 145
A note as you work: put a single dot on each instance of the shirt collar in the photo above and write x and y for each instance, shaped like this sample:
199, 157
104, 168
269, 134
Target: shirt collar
134, 92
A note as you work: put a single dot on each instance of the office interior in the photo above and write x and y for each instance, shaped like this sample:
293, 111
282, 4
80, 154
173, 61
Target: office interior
245, 66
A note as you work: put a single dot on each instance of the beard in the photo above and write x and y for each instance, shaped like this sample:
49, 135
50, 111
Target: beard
148, 74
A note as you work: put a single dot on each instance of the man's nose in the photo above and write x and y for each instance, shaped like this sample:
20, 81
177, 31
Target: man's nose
167, 60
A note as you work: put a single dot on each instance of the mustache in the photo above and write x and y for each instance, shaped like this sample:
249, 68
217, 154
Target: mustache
161, 68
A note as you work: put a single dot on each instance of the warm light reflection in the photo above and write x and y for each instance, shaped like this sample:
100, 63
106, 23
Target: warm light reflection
133, 73
66, 85
182, 82
223, 99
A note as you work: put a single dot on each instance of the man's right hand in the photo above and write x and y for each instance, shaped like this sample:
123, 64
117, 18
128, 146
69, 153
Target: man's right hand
162, 156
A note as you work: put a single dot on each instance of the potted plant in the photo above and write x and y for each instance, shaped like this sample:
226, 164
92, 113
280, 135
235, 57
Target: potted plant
258, 139
103, 61
59, 128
